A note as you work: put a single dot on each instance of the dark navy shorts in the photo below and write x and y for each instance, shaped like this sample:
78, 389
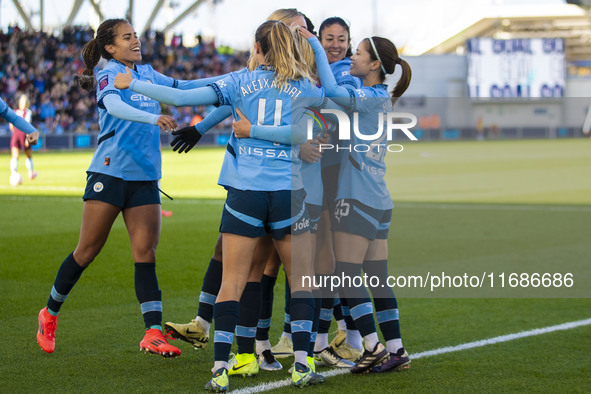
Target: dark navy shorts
257, 213
353, 217
116, 191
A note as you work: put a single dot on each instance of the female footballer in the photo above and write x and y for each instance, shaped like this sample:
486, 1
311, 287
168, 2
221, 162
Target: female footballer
122, 178
263, 189
363, 209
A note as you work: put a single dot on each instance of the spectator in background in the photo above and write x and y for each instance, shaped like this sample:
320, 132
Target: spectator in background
19, 140
37, 63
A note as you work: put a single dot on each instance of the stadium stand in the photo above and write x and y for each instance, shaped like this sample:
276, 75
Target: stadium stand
46, 67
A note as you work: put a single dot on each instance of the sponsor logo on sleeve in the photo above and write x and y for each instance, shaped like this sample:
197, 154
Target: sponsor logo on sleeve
103, 82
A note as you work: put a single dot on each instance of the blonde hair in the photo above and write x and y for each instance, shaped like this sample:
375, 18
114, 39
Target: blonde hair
282, 50
26, 104
284, 15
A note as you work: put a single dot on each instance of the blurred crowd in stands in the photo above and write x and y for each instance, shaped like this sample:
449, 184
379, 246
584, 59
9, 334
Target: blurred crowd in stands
45, 67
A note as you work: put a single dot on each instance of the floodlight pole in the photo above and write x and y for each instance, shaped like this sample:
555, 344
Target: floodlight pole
152, 16
97, 10
129, 14
23, 15
182, 16
41, 11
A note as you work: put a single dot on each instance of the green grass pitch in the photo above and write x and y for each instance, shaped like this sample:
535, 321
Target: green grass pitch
498, 206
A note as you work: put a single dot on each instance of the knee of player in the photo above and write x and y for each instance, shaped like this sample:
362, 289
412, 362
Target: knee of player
84, 257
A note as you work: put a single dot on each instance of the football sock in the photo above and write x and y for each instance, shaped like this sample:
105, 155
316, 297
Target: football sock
287, 317
337, 311
261, 346
29, 164
250, 310
326, 308
354, 339
148, 294
393, 345
212, 282
385, 302
302, 314
315, 321
13, 164
358, 301
67, 276
264, 323
225, 316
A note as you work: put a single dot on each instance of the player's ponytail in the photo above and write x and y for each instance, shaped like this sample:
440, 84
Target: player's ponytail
385, 52
282, 51
95, 49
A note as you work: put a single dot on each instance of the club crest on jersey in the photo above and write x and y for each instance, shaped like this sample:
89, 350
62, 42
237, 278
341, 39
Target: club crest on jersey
98, 187
103, 82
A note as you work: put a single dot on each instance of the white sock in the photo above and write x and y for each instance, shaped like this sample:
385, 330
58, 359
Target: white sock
13, 164
219, 364
301, 357
321, 342
286, 335
204, 323
261, 346
371, 341
342, 325
393, 345
354, 339
29, 164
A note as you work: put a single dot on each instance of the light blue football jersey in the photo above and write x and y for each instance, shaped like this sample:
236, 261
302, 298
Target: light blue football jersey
256, 164
126, 149
361, 175
342, 73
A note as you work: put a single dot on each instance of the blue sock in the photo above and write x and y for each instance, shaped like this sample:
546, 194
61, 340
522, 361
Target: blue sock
67, 276
225, 315
326, 304
358, 301
264, 323
302, 314
148, 294
336, 310
250, 310
347, 314
287, 318
315, 321
385, 301
209, 290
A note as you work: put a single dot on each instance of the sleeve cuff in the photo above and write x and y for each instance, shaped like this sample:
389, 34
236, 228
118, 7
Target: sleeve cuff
218, 91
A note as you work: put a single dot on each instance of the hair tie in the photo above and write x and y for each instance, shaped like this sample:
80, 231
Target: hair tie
377, 55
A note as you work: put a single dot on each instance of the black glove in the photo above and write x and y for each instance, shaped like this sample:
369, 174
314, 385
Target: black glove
185, 139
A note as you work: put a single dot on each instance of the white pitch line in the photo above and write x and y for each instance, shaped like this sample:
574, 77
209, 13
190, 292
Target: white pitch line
470, 345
